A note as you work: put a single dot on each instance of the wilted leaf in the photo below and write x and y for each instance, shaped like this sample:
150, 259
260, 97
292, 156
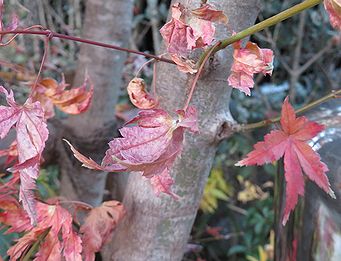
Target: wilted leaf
333, 8
72, 101
139, 96
209, 13
98, 227
247, 62
190, 29
183, 64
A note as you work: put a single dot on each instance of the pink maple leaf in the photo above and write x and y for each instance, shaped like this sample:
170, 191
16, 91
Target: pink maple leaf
150, 147
247, 61
98, 227
291, 141
190, 29
333, 8
32, 134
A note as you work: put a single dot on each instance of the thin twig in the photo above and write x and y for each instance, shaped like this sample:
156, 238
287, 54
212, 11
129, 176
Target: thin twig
86, 41
262, 25
43, 60
295, 75
263, 123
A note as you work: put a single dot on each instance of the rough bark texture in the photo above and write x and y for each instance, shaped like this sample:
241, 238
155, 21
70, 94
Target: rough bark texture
315, 224
107, 21
158, 228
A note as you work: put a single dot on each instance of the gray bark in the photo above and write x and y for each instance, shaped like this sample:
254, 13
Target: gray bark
157, 228
107, 21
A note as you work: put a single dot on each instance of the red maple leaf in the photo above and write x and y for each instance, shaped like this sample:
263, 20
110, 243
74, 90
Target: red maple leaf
32, 134
291, 141
151, 147
98, 227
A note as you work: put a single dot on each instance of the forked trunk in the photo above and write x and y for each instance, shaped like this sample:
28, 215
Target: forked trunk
158, 228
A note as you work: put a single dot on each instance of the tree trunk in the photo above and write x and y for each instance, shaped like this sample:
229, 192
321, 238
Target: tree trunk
157, 228
108, 21
314, 229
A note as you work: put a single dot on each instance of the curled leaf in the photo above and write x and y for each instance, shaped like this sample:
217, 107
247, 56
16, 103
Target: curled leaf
209, 13
72, 101
247, 61
183, 64
98, 227
139, 96
190, 29
333, 8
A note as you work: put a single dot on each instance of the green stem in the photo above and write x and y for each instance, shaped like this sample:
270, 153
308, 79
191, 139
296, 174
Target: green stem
262, 25
263, 123
34, 247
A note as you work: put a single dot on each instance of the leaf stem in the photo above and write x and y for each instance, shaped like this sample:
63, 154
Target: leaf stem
43, 60
86, 41
261, 26
263, 123
197, 75
35, 246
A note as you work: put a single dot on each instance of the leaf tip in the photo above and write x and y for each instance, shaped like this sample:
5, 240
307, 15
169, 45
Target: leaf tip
239, 164
331, 193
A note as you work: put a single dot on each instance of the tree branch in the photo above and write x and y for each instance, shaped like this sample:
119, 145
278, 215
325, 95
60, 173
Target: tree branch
52, 34
263, 123
262, 25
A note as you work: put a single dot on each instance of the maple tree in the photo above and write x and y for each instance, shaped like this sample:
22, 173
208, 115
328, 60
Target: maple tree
150, 142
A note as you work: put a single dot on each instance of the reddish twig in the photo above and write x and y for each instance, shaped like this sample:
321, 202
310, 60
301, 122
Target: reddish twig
43, 60
52, 34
